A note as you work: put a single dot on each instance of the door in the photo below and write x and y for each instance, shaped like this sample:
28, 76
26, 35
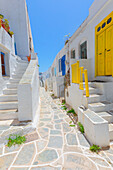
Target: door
101, 54
108, 51
3, 63
63, 65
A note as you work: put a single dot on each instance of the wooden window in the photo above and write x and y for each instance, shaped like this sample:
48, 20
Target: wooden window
83, 50
73, 54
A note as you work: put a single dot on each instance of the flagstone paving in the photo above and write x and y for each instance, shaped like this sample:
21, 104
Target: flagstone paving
53, 145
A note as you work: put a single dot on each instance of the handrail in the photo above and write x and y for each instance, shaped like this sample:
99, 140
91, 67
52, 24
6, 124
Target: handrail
77, 77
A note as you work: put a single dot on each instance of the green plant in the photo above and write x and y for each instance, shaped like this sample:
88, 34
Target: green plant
1, 16
72, 125
95, 148
63, 103
81, 127
6, 23
64, 107
11, 32
52, 95
70, 122
15, 139
38, 65
71, 111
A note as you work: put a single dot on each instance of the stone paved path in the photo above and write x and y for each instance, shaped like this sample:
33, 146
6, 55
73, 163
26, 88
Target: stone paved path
54, 145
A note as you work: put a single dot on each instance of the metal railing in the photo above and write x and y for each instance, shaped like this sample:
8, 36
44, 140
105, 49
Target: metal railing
77, 77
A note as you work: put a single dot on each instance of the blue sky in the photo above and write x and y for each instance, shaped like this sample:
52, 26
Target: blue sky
50, 21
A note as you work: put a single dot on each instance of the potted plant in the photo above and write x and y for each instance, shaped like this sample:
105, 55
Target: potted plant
29, 58
10, 33
6, 23
1, 18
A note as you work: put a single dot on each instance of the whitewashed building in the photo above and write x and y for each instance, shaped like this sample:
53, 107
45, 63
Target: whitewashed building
91, 51
17, 75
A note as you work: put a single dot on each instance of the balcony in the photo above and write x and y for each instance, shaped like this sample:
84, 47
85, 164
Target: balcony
5, 40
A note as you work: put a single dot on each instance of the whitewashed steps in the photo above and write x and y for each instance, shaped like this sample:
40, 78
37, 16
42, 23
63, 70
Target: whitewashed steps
22, 61
17, 76
8, 105
92, 90
89, 84
107, 116
21, 72
94, 98
22, 65
100, 106
9, 91
12, 85
5, 98
14, 80
8, 114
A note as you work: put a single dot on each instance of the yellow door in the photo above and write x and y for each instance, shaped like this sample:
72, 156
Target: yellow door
101, 54
109, 53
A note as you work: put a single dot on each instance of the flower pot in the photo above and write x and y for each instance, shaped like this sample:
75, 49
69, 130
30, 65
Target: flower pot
0, 23
7, 29
29, 58
3, 24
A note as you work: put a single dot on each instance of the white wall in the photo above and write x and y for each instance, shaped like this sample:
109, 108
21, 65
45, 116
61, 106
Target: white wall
74, 96
15, 12
28, 93
58, 86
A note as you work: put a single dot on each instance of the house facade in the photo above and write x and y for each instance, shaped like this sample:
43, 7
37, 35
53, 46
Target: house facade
89, 57
15, 70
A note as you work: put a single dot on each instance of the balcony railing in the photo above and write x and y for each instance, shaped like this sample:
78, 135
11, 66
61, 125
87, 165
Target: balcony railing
77, 77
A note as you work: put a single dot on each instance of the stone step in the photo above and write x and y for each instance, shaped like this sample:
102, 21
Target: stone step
93, 98
107, 116
12, 80
22, 65
100, 106
8, 105
8, 114
17, 76
111, 132
20, 72
12, 85
22, 61
9, 91
92, 90
5, 98
90, 84
20, 68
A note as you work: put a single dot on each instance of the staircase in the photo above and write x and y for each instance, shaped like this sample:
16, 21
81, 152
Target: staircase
96, 102
9, 98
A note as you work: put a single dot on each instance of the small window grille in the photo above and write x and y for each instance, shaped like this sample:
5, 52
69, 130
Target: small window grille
103, 25
99, 28
109, 20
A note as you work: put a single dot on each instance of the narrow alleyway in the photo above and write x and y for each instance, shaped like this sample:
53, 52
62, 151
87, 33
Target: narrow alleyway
54, 145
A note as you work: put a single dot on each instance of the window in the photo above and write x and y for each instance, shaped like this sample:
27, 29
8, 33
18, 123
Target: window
73, 54
83, 50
